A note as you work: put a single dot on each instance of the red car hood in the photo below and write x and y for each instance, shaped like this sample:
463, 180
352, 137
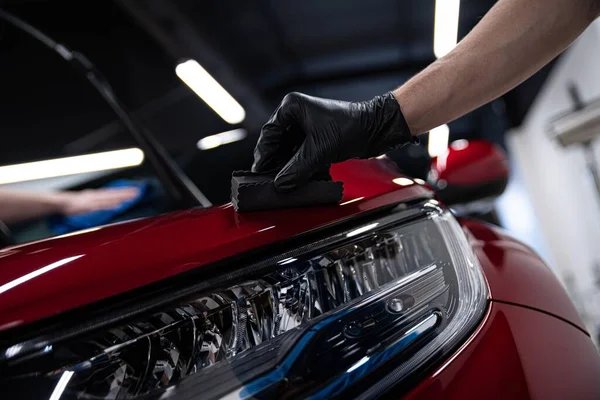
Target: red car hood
44, 278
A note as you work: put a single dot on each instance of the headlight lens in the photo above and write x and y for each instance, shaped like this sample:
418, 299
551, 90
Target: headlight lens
358, 311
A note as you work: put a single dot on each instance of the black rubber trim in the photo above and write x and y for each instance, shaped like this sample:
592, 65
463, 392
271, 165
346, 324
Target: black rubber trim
510, 303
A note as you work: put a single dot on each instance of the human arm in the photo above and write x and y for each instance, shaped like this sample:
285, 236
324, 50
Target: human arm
19, 206
515, 39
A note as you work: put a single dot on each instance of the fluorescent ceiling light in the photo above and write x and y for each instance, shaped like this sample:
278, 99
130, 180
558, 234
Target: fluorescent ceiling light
210, 142
445, 34
71, 165
438, 140
209, 90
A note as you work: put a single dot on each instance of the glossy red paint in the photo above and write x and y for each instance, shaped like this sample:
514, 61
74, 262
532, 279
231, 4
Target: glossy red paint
518, 353
471, 163
41, 279
516, 274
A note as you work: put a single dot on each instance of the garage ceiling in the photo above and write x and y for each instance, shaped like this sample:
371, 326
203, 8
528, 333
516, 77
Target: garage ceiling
259, 50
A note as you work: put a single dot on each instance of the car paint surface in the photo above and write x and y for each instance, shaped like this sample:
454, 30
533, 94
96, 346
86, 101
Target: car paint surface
45, 278
517, 353
471, 163
515, 274
531, 344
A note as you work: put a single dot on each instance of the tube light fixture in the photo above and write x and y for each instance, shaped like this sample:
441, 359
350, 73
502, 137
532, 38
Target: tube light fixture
212, 141
71, 165
445, 35
209, 90
438, 140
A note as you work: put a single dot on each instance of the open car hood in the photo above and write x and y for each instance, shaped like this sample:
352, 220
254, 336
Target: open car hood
44, 278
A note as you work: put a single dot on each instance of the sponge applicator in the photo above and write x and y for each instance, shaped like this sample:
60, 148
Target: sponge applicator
255, 192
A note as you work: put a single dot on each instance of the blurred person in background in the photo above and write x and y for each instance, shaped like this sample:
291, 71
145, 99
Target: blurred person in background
514, 40
21, 206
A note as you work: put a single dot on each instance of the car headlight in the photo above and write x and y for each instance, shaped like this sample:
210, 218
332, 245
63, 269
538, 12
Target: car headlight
355, 313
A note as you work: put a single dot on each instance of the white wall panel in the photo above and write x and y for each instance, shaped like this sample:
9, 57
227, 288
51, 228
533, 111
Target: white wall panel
561, 190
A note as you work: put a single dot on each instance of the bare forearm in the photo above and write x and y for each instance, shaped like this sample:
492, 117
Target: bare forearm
512, 42
17, 206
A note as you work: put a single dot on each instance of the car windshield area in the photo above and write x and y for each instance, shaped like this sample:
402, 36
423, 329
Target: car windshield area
67, 163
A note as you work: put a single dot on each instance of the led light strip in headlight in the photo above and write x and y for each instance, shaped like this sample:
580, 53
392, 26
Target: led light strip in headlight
353, 314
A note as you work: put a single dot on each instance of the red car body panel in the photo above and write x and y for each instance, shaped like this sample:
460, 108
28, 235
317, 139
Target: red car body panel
515, 274
531, 344
45, 278
517, 353
471, 163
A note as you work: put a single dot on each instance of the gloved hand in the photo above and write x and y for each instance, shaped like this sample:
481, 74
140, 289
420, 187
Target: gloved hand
306, 134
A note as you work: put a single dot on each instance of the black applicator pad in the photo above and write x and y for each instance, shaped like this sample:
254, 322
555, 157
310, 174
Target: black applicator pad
255, 192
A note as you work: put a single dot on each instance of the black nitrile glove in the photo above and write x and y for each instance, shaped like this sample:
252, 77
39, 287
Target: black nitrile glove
306, 134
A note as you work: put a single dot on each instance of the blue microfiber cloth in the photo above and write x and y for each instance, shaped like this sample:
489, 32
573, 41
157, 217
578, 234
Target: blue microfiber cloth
60, 224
